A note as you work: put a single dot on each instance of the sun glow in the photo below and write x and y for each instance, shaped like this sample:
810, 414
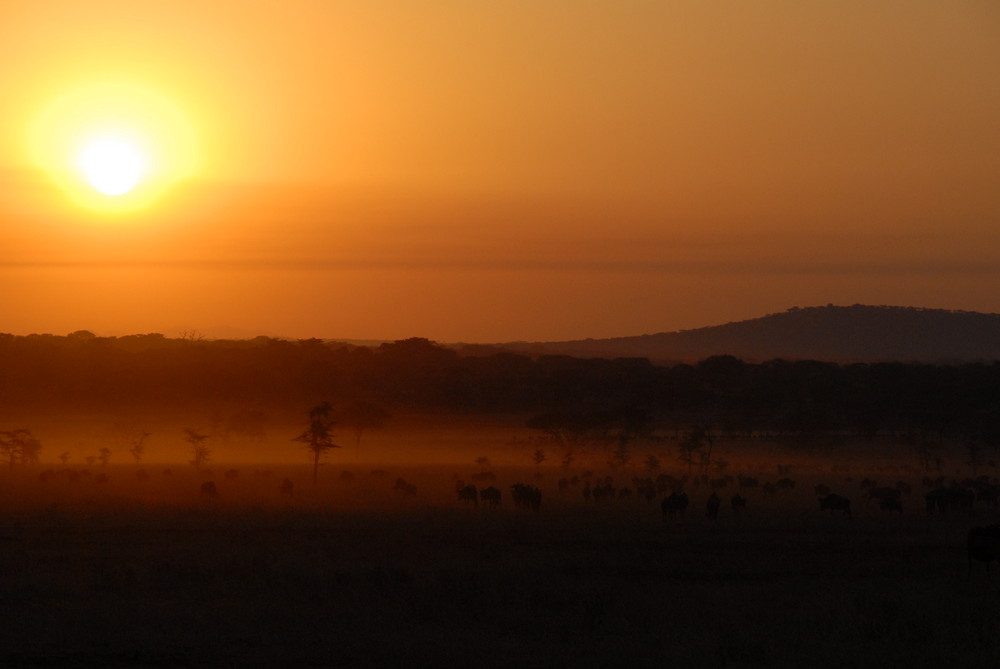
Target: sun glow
112, 165
114, 147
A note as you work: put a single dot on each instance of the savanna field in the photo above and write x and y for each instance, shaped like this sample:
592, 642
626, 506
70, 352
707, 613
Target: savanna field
381, 564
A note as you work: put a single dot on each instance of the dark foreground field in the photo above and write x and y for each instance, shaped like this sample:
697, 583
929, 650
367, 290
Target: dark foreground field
359, 575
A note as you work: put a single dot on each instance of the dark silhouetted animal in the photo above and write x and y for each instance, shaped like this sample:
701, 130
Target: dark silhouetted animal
984, 545
208, 489
712, 506
673, 504
738, 502
891, 505
490, 496
526, 496
834, 502
883, 493
469, 493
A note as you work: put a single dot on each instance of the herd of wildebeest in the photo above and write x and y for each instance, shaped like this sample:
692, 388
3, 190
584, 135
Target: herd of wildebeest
940, 496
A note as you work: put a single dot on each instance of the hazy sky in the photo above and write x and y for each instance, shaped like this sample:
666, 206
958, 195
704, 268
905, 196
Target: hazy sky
499, 170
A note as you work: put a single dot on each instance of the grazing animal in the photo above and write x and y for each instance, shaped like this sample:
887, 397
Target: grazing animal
490, 496
406, 489
603, 491
883, 493
469, 493
347, 476
526, 496
984, 545
738, 502
675, 503
712, 506
948, 498
785, 484
720, 483
891, 505
209, 490
834, 502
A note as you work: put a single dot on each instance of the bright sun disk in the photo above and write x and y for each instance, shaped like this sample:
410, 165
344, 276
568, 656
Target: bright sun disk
112, 166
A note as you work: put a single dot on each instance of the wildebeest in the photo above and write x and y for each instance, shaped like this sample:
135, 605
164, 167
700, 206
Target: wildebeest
834, 502
469, 493
785, 484
984, 545
404, 487
490, 496
675, 503
738, 502
883, 493
891, 505
712, 506
526, 496
949, 498
208, 489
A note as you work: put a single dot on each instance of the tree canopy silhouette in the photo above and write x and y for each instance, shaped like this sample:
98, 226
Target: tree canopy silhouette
318, 437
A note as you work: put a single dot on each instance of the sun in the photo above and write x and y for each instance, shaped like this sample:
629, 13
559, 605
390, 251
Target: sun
113, 146
112, 165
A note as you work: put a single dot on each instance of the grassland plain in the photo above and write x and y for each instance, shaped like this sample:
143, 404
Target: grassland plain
356, 573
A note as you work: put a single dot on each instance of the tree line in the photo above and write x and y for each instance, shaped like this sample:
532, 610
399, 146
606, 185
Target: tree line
560, 394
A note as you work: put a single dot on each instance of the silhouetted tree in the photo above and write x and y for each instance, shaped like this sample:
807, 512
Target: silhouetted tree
620, 455
138, 449
64, 457
318, 437
538, 457
691, 449
19, 447
361, 416
104, 455
651, 463
199, 449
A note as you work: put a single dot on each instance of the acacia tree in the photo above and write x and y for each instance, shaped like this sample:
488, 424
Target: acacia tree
19, 447
138, 448
318, 437
199, 449
361, 416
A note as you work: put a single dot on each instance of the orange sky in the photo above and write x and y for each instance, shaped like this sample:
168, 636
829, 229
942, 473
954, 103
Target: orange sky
491, 171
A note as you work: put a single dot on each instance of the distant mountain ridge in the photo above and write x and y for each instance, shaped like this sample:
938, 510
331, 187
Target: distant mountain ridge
856, 333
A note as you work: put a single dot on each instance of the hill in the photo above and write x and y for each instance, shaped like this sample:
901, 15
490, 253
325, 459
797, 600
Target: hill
857, 333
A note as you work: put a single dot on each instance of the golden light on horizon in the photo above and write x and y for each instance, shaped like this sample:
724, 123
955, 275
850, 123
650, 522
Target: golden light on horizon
113, 147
